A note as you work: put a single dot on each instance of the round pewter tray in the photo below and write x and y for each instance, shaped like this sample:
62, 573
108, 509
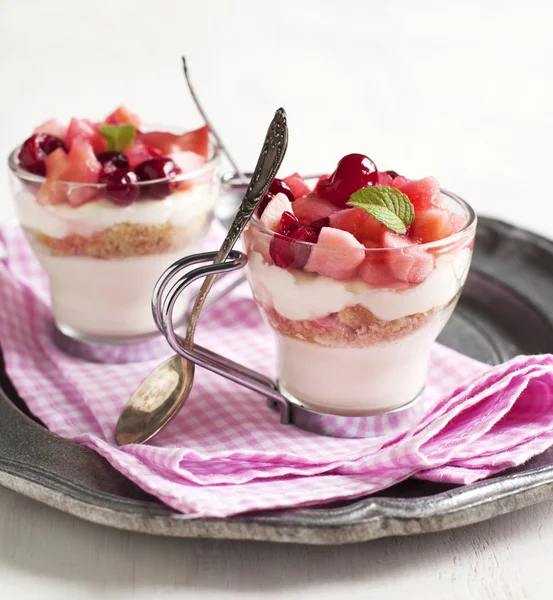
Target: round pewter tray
505, 310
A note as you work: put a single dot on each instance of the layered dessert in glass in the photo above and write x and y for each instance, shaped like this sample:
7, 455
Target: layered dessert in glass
357, 278
106, 207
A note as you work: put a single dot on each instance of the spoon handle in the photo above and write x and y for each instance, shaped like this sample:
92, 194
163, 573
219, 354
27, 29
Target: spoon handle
268, 164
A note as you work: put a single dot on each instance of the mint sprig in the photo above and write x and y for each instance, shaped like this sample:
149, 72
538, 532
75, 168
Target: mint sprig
118, 137
387, 205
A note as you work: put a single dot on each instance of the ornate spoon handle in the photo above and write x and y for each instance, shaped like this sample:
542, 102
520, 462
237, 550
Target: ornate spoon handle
268, 164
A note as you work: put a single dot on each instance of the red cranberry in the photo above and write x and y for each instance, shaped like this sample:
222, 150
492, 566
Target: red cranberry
319, 224
120, 184
281, 187
277, 186
117, 159
157, 168
305, 233
281, 251
392, 174
354, 171
288, 223
35, 150
286, 253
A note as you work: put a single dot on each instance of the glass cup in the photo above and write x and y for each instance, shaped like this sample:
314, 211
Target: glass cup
358, 343
103, 259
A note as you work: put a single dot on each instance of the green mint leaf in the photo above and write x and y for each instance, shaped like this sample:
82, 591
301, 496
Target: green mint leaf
387, 205
118, 137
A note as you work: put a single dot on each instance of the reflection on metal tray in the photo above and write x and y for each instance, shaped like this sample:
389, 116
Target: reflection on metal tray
506, 309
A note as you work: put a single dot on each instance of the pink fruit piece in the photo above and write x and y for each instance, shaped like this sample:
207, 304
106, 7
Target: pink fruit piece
187, 161
53, 127
79, 165
337, 254
83, 129
312, 208
423, 193
375, 270
399, 181
457, 223
384, 178
51, 191
168, 143
407, 262
431, 225
273, 211
297, 185
123, 116
139, 152
360, 224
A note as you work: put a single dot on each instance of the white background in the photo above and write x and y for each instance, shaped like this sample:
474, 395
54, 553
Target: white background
460, 90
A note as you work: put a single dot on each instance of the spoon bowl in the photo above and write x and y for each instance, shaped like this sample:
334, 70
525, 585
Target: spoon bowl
155, 401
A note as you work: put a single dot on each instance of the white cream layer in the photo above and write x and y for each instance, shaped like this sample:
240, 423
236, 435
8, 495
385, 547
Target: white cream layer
60, 220
107, 298
298, 295
358, 381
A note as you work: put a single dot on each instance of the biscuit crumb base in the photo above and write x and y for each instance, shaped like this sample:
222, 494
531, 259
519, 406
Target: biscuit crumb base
125, 240
352, 327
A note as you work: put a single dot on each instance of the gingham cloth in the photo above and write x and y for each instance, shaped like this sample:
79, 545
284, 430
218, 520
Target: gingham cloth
226, 453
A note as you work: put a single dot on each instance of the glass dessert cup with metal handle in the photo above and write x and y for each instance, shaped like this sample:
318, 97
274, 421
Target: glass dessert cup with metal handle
352, 356
102, 259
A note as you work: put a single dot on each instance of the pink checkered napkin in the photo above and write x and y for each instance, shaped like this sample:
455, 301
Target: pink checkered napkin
226, 453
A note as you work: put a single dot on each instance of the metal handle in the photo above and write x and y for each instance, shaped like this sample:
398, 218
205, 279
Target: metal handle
163, 304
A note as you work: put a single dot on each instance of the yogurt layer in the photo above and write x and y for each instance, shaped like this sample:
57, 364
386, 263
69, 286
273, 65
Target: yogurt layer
107, 298
358, 381
60, 220
297, 295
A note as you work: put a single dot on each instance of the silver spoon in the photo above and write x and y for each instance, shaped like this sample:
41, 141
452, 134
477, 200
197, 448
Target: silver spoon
162, 394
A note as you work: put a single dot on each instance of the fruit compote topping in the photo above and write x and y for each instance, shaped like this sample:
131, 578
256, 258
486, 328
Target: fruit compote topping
114, 152
355, 208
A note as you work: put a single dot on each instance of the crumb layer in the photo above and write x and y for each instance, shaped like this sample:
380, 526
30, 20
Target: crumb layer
125, 240
352, 327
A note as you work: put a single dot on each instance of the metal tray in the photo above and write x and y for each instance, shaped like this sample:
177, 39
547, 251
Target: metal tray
506, 309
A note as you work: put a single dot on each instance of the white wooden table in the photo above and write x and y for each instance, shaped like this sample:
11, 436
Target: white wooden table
460, 90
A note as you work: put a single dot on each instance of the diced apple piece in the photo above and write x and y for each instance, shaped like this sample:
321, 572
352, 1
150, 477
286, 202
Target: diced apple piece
384, 178
359, 223
431, 225
423, 193
123, 116
84, 130
168, 143
273, 212
337, 254
457, 223
375, 270
312, 208
140, 152
53, 127
297, 185
407, 262
80, 165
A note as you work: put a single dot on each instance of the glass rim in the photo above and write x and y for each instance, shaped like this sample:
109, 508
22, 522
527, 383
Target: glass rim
467, 229
21, 173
